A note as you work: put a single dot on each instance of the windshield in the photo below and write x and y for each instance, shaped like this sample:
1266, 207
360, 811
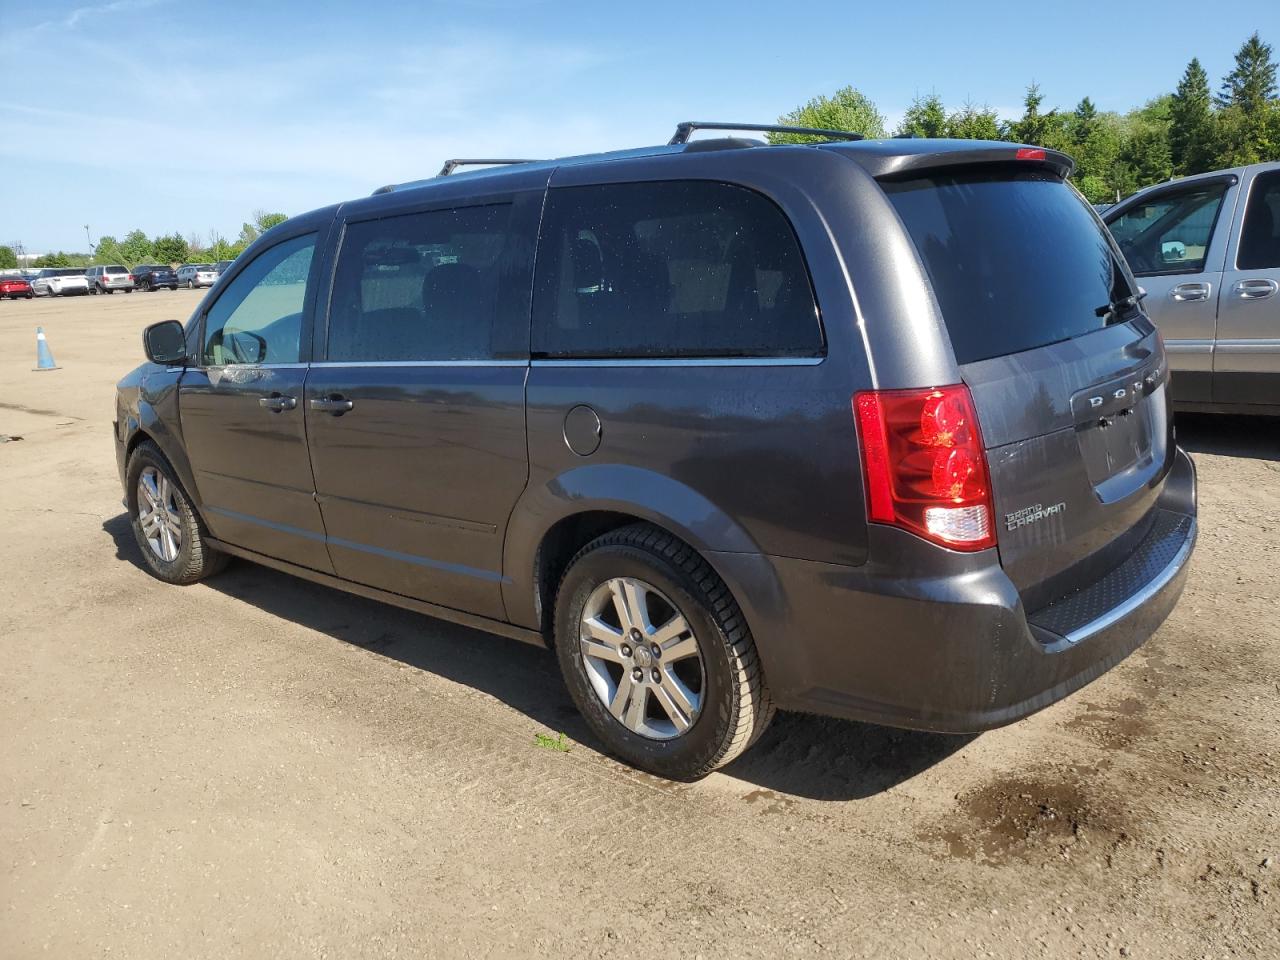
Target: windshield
1016, 259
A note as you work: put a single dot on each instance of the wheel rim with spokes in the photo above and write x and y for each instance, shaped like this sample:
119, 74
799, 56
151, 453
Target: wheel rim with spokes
158, 515
641, 658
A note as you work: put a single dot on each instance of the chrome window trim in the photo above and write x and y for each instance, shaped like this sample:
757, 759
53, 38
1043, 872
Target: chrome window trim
240, 366
683, 362
421, 363
252, 366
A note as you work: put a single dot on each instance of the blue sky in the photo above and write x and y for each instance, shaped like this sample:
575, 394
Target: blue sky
179, 116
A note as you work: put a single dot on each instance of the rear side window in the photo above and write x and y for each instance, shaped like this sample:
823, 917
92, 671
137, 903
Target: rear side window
1170, 232
1260, 239
670, 269
431, 286
1016, 259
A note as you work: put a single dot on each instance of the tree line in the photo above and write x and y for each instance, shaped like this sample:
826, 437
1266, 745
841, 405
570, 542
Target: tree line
174, 248
1189, 130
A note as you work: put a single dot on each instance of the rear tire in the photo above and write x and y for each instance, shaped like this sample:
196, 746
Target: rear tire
702, 697
168, 531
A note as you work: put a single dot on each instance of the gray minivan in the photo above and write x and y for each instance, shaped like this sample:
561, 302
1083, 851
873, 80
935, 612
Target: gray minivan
873, 429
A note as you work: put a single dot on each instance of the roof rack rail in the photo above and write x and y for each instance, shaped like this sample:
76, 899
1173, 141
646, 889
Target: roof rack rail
452, 165
685, 129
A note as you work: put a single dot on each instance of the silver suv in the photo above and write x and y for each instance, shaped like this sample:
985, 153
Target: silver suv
109, 279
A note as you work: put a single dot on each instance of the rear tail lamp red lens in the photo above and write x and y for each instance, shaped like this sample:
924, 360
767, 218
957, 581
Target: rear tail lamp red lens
925, 467
1029, 153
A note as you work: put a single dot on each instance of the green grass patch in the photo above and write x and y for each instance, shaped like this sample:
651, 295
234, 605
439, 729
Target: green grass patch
548, 742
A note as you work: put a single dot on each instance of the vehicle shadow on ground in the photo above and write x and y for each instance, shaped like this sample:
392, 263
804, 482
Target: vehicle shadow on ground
800, 755
1257, 438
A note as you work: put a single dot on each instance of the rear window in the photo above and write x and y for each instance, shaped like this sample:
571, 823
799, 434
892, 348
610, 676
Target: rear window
670, 270
1016, 259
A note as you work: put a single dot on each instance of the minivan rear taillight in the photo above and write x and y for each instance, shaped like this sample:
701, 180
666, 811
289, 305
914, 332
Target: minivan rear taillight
925, 467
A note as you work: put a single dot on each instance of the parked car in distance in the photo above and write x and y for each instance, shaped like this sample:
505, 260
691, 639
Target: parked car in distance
59, 282
730, 426
221, 266
109, 279
192, 275
14, 286
153, 277
1207, 251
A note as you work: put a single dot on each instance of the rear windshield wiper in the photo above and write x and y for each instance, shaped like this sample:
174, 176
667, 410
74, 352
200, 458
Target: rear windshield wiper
1113, 309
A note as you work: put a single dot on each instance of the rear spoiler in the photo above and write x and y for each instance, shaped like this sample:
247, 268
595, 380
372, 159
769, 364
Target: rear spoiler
902, 159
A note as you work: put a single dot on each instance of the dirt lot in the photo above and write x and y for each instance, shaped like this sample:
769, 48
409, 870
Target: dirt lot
260, 767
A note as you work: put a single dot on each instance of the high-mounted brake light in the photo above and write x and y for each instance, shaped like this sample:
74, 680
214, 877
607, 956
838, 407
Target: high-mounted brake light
925, 467
1029, 153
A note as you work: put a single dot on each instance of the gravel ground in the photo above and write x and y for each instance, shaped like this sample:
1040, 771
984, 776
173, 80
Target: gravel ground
256, 766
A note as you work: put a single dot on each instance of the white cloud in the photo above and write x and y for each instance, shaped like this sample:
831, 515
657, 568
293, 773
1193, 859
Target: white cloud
75, 17
269, 126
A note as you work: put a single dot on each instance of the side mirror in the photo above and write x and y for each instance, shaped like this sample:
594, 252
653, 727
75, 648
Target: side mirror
165, 342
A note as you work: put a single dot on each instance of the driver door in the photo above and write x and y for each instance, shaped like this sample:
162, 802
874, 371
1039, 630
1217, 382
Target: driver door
1173, 244
241, 407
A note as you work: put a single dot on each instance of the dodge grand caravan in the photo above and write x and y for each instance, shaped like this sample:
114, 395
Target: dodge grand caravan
873, 429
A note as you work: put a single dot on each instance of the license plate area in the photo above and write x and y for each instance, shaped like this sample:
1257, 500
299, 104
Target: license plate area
1119, 427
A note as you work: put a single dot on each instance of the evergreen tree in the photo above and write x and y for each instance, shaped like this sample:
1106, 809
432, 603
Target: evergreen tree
1252, 84
1040, 129
926, 117
1084, 122
973, 123
1191, 132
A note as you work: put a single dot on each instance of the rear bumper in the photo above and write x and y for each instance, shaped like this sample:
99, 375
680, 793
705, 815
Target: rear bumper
951, 648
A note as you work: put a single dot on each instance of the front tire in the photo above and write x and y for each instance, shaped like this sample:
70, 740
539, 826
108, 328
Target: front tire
657, 654
168, 531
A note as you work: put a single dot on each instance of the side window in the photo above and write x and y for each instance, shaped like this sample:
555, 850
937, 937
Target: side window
258, 318
434, 285
1260, 237
1170, 233
670, 269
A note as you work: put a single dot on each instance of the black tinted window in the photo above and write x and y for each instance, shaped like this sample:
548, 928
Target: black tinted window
1017, 260
431, 286
671, 269
1260, 239
1169, 232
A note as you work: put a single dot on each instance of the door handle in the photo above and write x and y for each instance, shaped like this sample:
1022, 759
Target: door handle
1185, 292
334, 405
277, 402
1255, 289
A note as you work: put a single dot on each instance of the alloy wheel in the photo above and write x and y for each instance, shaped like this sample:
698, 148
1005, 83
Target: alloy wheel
641, 658
158, 515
